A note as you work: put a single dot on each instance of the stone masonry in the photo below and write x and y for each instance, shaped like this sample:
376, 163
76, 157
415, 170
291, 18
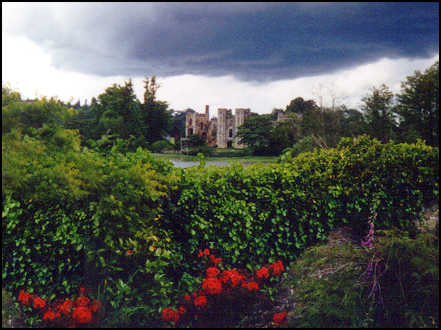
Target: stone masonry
220, 131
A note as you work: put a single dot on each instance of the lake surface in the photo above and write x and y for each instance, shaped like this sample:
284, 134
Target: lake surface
182, 163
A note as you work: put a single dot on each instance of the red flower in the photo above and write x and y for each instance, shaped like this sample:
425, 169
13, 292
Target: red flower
129, 252
206, 252
212, 271
279, 318
82, 314
50, 316
187, 297
170, 315
212, 285
66, 307
194, 294
252, 286
182, 310
215, 260
24, 297
200, 301
82, 301
262, 272
95, 306
39, 303
277, 268
233, 276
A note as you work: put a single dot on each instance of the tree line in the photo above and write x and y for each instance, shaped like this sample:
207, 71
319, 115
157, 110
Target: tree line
117, 119
405, 117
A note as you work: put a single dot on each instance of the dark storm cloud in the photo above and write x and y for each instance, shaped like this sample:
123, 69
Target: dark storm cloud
253, 41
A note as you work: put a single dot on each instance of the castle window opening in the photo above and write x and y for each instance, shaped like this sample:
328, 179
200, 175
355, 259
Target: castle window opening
230, 133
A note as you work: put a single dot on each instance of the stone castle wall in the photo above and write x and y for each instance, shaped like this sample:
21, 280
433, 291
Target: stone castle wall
221, 131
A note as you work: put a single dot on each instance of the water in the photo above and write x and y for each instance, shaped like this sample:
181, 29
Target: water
183, 164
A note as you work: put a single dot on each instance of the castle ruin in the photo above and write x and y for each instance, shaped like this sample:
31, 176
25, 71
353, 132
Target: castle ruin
220, 131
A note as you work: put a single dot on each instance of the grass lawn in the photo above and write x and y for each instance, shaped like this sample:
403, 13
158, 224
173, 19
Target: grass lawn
218, 157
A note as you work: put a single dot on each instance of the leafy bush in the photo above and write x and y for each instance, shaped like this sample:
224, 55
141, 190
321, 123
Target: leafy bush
161, 145
330, 286
410, 284
306, 144
260, 211
70, 217
131, 225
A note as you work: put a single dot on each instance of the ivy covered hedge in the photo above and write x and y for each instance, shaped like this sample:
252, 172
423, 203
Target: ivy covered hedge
268, 211
132, 225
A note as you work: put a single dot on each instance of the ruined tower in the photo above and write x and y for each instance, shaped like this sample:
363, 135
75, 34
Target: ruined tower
225, 128
240, 115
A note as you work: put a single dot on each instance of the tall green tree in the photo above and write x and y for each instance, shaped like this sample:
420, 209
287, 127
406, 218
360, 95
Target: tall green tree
378, 114
418, 105
156, 119
117, 111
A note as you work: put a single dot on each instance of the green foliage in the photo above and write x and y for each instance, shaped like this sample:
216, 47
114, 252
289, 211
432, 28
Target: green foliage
378, 113
260, 211
161, 145
29, 115
70, 216
418, 106
410, 284
306, 144
330, 287
255, 132
327, 288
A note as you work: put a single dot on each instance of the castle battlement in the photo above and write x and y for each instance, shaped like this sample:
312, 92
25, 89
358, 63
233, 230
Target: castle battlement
220, 131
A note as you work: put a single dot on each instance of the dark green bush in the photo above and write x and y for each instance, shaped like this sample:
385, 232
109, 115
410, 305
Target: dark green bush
410, 284
331, 288
160, 146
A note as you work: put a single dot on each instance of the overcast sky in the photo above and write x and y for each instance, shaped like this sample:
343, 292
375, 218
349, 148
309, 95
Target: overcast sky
256, 55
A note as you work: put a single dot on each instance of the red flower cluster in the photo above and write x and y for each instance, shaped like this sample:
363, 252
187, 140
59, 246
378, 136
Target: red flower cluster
64, 313
200, 301
212, 285
251, 286
170, 315
277, 268
24, 297
212, 271
219, 285
262, 272
232, 277
279, 318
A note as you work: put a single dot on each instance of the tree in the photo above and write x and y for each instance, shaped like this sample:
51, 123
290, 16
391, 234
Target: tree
418, 105
378, 113
256, 133
300, 106
9, 95
352, 123
156, 119
117, 111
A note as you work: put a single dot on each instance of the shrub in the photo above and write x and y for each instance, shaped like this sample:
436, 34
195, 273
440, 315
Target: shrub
331, 286
70, 217
160, 146
263, 211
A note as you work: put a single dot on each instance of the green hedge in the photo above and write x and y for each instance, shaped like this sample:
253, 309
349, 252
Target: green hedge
71, 216
263, 212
